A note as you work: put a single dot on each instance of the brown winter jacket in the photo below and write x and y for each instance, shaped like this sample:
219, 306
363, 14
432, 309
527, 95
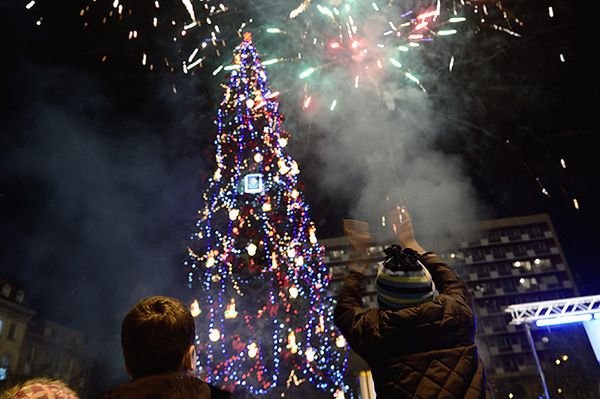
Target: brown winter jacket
166, 386
422, 352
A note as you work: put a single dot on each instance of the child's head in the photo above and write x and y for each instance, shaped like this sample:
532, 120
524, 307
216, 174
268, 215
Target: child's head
40, 388
403, 281
157, 336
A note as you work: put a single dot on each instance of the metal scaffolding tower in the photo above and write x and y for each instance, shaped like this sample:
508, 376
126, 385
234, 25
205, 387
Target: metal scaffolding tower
548, 313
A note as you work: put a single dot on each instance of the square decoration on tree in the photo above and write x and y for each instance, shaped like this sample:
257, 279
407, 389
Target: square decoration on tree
253, 183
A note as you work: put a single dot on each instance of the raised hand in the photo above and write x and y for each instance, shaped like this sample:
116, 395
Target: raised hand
358, 233
401, 224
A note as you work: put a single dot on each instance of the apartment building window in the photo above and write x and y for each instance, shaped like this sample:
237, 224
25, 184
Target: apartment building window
377, 250
20, 296
477, 255
504, 343
551, 281
528, 283
337, 270
4, 360
514, 234
494, 236
504, 269
522, 264
483, 271
6, 290
11, 332
498, 324
542, 264
490, 304
535, 231
519, 250
505, 285
540, 247
509, 363
499, 252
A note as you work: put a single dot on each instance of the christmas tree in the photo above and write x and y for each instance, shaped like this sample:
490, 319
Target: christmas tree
263, 316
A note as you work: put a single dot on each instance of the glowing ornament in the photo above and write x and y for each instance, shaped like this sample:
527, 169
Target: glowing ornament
283, 168
339, 394
258, 157
259, 101
233, 214
282, 142
294, 170
310, 354
250, 103
321, 327
230, 312
251, 248
210, 261
311, 236
299, 261
274, 264
195, 308
291, 345
295, 194
291, 252
217, 175
293, 292
266, 207
252, 350
340, 341
214, 335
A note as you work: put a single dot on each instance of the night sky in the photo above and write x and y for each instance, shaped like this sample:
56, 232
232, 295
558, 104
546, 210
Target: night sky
102, 167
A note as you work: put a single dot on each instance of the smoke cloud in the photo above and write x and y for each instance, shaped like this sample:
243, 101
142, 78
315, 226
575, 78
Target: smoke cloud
110, 201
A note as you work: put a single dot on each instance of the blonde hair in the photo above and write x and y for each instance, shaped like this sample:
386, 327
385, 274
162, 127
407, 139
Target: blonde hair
57, 389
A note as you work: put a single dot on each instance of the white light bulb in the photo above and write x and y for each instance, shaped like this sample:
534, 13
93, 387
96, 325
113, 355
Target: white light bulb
214, 335
233, 214
293, 292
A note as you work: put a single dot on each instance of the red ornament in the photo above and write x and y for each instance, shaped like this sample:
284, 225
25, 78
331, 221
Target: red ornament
238, 345
273, 309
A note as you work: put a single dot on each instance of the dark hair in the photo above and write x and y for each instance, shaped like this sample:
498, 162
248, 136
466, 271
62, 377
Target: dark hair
155, 336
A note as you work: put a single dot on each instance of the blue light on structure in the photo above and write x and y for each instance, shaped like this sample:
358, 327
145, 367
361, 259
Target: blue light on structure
563, 320
592, 329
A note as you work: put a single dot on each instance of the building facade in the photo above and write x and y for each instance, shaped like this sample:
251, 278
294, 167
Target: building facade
14, 318
504, 262
34, 347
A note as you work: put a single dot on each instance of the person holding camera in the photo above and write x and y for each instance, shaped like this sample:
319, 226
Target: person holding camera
419, 343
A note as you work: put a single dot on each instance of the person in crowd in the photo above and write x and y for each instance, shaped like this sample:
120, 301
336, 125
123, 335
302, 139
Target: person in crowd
419, 342
40, 388
157, 337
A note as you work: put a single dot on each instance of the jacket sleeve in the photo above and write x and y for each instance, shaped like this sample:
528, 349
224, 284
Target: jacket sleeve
349, 304
349, 316
446, 280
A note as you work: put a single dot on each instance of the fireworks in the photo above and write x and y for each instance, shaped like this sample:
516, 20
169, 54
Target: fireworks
332, 43
371, 43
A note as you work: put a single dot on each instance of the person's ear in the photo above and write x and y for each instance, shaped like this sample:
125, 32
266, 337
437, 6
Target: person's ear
126, 368
189, 360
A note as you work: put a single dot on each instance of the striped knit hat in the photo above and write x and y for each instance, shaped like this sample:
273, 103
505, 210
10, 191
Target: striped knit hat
403, 281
